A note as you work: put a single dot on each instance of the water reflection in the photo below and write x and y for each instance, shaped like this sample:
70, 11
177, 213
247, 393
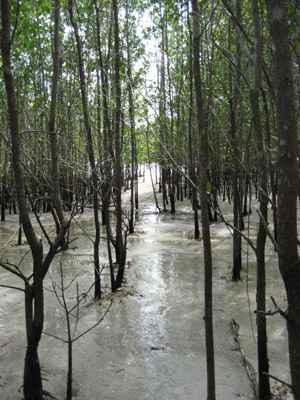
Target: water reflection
162, 307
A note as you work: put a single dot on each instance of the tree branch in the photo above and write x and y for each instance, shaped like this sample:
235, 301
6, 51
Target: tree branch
15, 271
267, 229
12, 287
96, 324
277, 310
279, 380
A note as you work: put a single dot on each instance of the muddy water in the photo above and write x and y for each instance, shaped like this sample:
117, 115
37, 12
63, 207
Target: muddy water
151, 343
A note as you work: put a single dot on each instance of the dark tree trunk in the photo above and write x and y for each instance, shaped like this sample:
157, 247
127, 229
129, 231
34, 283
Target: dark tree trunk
287, 179
210, 360
91, 154
170, 141
3, 191
32, 375
192, 140
236, 179
34, 321
162, 116
34, 295
120, 246
262, 349
273, 179
237, 242
246, 206
134, 178
52, 132
33, 389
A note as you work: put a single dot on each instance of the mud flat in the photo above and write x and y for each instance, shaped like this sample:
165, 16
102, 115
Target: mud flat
151, 344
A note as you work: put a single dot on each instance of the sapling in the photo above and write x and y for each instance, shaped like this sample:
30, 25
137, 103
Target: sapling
72, 314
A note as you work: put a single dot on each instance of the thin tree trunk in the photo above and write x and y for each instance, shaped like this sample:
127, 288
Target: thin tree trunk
52, 117
162, 114
192, 140
237, 249
134, 179
262, 349
120, 247
272, 169
107, 140
90, 152
171, 172
237, 203
210, 360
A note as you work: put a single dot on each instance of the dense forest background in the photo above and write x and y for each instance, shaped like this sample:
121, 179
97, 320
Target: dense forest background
206, 91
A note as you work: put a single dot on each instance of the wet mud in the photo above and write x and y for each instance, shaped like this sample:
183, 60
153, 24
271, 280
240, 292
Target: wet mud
151, 343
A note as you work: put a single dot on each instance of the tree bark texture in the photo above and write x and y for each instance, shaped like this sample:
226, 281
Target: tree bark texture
287, 179
91, 154
237, 196
120, 247
192, 139
34, 295
210, 361
34, 292
52, 131
262, 349
134, 166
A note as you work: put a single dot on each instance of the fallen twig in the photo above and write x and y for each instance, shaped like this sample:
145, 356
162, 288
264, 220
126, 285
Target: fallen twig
246, 363
279, 380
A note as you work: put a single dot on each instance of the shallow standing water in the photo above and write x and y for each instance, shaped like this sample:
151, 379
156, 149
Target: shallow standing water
151, 343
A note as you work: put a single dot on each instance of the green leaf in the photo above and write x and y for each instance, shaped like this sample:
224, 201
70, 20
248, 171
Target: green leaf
208, 187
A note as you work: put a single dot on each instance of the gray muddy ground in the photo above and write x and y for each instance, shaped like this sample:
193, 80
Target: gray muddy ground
151, 343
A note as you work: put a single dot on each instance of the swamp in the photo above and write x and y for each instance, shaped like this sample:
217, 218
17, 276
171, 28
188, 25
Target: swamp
149, 195
151, 344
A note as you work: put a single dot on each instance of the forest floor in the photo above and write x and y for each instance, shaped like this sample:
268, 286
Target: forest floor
151, 343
